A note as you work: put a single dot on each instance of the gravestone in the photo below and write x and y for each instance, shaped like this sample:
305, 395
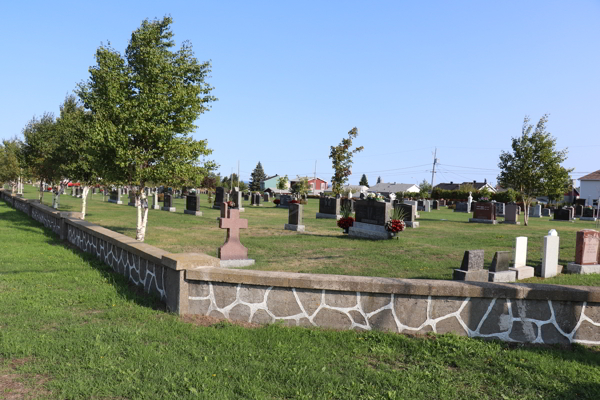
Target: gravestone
484, 212
246, 197
511, 214
499, 270
461, 207
420, 205
131, 199
155, 205
284, 200
578, 211
192, 205
329, 207
219, 197
256, 200
435, 205
168, 203
236, 198
93, 191
471, 268
414, 203
409, 214
546, 212
115, 197
370, 219
500, 209
232, 253
520, 266
535, 211
295, 218
587, 253
589, 214
563, 214
550, 256
266, 197
427, 205
442, 203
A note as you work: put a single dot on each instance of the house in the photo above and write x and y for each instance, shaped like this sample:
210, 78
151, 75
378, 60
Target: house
475, 184
315, 185
387, 188
571, 196
589, 188
271, 183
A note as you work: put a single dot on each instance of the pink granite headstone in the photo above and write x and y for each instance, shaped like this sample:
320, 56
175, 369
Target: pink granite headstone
232, 249
587, 247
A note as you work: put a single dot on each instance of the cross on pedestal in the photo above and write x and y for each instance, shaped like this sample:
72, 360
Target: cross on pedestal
232, 249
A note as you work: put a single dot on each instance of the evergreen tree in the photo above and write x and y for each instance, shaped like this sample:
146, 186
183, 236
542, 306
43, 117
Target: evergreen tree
363, 181
379, 179
257, 176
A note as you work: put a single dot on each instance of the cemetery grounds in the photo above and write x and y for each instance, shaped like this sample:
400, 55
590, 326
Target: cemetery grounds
71, 328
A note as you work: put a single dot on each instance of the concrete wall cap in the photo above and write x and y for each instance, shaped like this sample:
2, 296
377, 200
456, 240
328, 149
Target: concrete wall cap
189, 261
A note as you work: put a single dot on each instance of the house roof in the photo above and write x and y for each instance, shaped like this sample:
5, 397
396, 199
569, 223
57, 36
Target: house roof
271, 177
391, 187
455, 186
594, 176
309, 178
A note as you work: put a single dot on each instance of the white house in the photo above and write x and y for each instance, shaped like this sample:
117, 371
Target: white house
387, 188
590, 187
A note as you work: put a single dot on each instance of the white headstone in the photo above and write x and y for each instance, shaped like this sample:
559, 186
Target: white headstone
552, 232
550, 256
521, 252
349, 194
427, 205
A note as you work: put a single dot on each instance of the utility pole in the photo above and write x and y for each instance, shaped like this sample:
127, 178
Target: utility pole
433, 170
315, 179
238, 180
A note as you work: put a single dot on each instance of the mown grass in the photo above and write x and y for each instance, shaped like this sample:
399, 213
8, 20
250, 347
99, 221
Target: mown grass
431, 251
72, 329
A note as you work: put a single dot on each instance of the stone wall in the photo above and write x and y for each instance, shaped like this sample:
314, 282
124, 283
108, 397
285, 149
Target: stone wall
195, 284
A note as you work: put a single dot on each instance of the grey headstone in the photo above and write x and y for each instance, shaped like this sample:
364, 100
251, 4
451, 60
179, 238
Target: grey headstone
295, 214
472, 260
501, 261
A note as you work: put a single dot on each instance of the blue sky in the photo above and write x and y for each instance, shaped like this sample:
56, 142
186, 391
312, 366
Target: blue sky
293, 78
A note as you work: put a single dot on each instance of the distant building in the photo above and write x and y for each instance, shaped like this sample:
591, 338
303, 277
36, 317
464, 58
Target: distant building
393, 187
271, 183
475, 184
589, 188
316, 185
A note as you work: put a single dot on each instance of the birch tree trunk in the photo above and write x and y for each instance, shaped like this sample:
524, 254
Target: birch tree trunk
86, 189
141, 203
41, 195
526, 211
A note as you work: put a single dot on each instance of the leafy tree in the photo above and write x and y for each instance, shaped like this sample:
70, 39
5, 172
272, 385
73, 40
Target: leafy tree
230, 182
424, 188
10, 166
258, 175
144, 105
242, 186
282, 182
364, 181
379, 179
301, 186
533, 167
341, 159
39, 144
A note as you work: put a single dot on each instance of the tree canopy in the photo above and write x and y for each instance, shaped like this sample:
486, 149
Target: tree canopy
533, 167
364, 181
341, 159
258, 175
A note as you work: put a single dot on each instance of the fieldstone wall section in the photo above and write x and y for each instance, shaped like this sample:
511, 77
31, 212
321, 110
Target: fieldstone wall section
195, 284
512, 320
138, 270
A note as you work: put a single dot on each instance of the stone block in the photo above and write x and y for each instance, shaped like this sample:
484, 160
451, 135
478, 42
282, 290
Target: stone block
483, 221
328, 216
237, 263
523, 272
575, 268
369, 231
196, 213
476, 276
503, 276
292, 227
169, 209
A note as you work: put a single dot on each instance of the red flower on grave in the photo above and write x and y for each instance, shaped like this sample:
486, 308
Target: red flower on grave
277, 201
395, 225
345, 223
294, 202
230, 204
70, 184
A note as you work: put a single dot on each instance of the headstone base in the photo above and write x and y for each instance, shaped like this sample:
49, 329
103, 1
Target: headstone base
583, 269
562, 220
242, 209
502, 276
236, 263
216, 207
329, 216
169, 209
156, 207
368, 231
292, 227
475, 276
588, 219
131, 204
410, 224
512, 222
280, 206
192, 212
115, 201
455, 210
256, 205
483, 221
523, 272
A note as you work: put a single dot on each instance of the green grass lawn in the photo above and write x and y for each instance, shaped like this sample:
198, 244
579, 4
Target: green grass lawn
431, 251
72, 329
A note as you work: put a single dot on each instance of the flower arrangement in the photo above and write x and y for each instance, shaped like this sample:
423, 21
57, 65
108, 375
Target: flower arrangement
294, 202
276, 201
345, 223
396, 222
230, 204
375, 196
